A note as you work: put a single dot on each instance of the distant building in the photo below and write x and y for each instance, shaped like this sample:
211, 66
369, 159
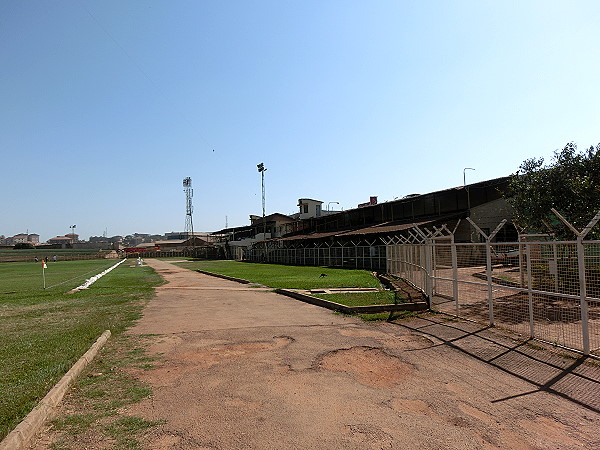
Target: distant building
309, 208
73, 236
171, 245
60, 240
21, 238
182, 235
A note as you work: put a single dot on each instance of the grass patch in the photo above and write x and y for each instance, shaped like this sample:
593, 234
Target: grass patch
44, 332
363, 298
279, 276
534, 346
508, 278
91, 410
389, 317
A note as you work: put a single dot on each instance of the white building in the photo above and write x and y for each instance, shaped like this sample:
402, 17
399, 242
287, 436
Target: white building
309, 208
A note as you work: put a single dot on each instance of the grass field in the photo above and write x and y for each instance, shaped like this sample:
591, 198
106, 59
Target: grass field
45, 331
287, 277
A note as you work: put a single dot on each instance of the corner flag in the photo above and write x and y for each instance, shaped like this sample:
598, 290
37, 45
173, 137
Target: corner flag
44, 267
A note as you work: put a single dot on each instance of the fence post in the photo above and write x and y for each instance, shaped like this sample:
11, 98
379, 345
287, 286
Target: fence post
529, 288
488, 272
555, 257
428, 270
454, 273
583, 296
581, 268
488, 264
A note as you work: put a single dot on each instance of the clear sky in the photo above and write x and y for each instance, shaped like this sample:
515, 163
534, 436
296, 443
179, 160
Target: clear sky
105, 106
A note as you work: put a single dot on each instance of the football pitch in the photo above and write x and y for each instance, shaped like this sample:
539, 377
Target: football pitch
29, 276
45, 331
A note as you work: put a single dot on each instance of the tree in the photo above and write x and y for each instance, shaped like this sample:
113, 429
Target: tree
23, 245
570, 184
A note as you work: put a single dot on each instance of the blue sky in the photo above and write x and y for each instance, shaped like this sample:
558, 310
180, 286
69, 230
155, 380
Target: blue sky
108, 105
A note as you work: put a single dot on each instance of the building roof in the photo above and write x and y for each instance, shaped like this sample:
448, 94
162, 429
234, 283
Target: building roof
146, 245
383, 228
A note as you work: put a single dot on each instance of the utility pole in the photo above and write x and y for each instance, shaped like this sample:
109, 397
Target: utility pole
466, 188
262, 169
189, 209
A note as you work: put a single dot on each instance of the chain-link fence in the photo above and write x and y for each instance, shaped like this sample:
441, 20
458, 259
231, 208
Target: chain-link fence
549, 290
371, 257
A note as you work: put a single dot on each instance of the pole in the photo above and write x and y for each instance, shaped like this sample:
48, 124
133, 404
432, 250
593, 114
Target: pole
466, 188
262, 169
529, 291
262, 176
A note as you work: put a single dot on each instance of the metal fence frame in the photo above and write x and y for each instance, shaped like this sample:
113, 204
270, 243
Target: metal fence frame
370, 255
558, 283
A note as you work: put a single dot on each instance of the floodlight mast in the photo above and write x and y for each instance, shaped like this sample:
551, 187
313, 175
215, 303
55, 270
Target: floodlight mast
262, 169
189, 193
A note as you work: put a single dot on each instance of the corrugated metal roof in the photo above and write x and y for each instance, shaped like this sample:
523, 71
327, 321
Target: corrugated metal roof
388, 227
383, 228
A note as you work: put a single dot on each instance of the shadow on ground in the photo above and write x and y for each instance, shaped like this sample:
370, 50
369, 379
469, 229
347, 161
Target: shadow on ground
568, 375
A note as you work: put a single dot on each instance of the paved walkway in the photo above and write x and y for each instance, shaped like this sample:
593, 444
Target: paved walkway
246, 368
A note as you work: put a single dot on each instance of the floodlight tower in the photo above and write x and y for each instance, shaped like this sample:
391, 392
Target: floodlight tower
189, 193
262, 169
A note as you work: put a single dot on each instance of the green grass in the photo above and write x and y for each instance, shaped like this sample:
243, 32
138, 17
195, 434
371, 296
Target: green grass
287, 277
93, 409
26, 277
389, 317
44, 332
362, 298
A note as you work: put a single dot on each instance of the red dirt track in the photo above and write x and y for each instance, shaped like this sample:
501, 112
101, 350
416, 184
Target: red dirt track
245, 368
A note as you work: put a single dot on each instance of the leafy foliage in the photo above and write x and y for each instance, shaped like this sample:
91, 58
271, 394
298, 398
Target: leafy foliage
570, 184
23, 245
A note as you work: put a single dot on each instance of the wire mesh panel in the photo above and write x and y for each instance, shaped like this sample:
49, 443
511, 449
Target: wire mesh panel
534, 287
592, 276
404, 261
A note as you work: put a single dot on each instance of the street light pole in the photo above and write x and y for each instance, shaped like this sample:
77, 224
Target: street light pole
262, 169
466, 188
331, 203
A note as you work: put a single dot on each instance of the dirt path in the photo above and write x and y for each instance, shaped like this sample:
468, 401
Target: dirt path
246, 368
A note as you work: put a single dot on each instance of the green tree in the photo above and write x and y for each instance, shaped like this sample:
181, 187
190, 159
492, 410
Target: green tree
570, 184
23, 245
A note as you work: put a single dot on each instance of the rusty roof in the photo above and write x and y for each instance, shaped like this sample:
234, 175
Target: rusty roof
382, 228
388, 227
